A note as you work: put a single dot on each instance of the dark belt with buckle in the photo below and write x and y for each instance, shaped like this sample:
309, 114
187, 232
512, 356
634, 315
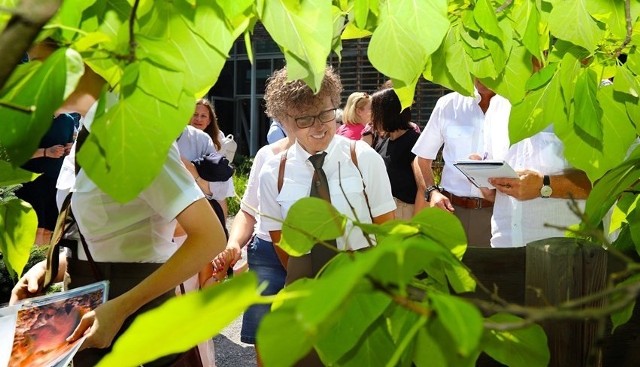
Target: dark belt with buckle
468, 202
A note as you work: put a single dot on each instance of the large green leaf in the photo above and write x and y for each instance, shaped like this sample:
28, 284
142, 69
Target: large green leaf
411, 31
10, 175
608, 188
20, 132
175, 326
618, 134
361, 309
309, 220
375, 348
278, 348
485, 17
622, 316
538, 109
585, 33
516, 348
18, 225
303, 30
436, 347
612, 13
587, 110
511, 82
128, 144
461, 319
626, 82
450, 65
161, 83
444, 228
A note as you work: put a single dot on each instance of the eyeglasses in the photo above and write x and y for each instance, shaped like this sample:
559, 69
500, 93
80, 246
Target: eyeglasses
308, 121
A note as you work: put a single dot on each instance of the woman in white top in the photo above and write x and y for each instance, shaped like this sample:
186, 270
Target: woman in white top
131, 244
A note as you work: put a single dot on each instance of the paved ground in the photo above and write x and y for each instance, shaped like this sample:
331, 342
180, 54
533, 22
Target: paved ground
230, 351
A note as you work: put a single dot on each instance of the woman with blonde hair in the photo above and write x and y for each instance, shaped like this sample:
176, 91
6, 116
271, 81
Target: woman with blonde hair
356, 114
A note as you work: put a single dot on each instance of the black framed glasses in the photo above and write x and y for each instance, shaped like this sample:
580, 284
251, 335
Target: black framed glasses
308, 121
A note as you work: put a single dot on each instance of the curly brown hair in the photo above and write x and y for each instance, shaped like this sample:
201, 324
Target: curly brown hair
282, 95
212, 129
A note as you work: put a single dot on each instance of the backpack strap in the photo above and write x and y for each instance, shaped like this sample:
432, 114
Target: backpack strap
283, 162
354, 159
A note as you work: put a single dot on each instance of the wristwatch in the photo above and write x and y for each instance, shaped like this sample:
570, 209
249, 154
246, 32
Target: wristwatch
545, 190
427, 192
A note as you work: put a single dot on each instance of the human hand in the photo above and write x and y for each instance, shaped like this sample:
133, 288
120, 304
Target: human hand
54, 151
30, 284
438, 200
224, 260
525, 187
100, 325
67, 148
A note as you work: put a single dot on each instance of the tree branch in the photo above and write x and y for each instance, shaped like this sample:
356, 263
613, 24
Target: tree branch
20, 32
132, 40
627, 38
504, 6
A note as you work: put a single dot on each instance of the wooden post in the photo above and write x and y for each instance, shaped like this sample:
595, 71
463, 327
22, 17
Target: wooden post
558, 270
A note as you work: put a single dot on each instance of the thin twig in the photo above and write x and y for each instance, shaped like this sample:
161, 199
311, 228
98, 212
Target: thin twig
132, 41
504, 6
627, 38
26, 109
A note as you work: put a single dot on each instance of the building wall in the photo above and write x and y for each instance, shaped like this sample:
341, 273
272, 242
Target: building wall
232, 93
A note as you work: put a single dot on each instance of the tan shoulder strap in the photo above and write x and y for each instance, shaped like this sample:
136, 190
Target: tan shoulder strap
354, 159
283, 162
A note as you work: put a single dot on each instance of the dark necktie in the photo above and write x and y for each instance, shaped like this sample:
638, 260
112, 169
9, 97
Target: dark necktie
319, 183
320, 255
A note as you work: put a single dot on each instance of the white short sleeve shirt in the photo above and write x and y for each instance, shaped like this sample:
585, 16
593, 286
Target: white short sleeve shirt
140, 230
459, 123
340, 171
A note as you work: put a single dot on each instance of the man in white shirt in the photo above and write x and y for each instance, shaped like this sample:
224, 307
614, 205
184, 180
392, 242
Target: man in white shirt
542, 193
465, 125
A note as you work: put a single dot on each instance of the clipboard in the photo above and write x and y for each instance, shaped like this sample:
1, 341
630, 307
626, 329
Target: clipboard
479, 172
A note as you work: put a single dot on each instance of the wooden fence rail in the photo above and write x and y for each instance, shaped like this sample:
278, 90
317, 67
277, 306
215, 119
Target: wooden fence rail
550, 272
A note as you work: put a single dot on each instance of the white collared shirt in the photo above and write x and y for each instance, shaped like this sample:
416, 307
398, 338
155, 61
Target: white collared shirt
459, 123
297, 184
250, 201
516, 223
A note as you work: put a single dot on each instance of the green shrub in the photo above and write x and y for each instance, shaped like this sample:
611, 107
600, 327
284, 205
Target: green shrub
240, 178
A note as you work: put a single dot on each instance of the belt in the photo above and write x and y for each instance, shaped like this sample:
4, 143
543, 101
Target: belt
468, 202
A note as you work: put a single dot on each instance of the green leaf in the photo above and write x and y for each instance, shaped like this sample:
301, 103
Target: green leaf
375, 348
309, 220
176, 317
511, 82
12, 176
623, 316
538, 109
585, 33
542, 77
436, 347
361, 309
626, 82
588, 112
411, 31
461, 319
117, 158
485, 17
438, 71
618, 134
444, 228
20, 132
633, 218
460, 278
18, 225
303, 30
516, 348
161, 83
612, 13
530, 37
281, 348
606, 191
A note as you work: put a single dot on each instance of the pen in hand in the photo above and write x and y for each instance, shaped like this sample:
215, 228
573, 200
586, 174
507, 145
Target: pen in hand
484, 157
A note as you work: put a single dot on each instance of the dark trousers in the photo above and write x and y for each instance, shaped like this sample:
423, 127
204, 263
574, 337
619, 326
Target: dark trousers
122, 277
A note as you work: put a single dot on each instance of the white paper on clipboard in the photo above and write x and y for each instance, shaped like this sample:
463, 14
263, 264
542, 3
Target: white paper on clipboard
479, 172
